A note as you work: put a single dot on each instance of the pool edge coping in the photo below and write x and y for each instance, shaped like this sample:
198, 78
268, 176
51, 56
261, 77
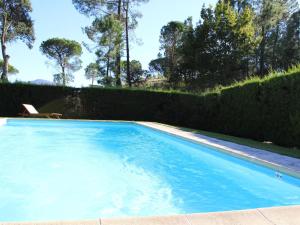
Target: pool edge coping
286, 215
222, 146
3, 121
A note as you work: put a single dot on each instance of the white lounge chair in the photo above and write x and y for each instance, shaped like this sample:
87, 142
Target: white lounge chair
30, 111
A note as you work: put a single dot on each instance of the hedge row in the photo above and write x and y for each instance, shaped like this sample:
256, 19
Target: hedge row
12, 96
261, 109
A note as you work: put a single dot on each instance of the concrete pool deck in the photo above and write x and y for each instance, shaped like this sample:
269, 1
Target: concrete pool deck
272, 160
269, 216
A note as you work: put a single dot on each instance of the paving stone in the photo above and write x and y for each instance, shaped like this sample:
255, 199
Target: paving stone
283, 215
168, 220
249, 217
81, 222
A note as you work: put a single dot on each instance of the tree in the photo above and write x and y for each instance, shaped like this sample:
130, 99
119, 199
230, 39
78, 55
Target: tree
106, 67
138, 75
15, 24
290, 50
66, 55
106, 33
171, 40
233, 40
98, 9
11, 69
187, 52
130, 24
123, 11
158, 66
92, 72
126, 9
217, 51
272, 17
239, 5
269, 13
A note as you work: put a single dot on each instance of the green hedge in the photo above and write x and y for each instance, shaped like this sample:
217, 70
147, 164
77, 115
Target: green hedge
12, 96
265, 109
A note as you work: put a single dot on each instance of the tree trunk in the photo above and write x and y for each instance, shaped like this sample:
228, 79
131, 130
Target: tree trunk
107, 66
262, 53
127, 46
4, 55
108, 62
118, 58
63, 75
275, 47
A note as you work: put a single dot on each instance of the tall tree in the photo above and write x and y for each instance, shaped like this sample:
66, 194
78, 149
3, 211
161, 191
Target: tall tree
118, 59
290, 43
235, 39
171, 40
15, 24
187, 52
217, 51
130, 17
92, 72
100, 8
106, 33
239, 5
125, 14
126, 9
269, 14
66, 55
286, 9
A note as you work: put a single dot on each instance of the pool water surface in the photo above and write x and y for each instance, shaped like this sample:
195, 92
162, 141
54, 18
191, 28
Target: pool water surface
54, 170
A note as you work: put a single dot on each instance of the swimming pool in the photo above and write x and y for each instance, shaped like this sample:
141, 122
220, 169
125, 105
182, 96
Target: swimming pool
52, 170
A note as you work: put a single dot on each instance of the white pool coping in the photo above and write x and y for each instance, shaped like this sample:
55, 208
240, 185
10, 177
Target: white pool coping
268, 216
3, 121
281, 163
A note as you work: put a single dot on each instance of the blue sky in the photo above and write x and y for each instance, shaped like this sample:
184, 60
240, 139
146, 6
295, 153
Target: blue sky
58, 18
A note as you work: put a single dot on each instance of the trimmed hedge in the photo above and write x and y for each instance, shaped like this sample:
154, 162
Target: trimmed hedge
12, 96
265, 109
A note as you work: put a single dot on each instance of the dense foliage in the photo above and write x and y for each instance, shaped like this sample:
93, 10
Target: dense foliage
233, 40
265, 109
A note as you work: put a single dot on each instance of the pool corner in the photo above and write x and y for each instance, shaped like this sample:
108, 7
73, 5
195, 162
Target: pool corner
3, 121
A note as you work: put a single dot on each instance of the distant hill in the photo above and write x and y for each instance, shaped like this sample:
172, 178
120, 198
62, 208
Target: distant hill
42, 82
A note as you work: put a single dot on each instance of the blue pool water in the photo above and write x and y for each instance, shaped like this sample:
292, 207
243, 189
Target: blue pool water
52, 170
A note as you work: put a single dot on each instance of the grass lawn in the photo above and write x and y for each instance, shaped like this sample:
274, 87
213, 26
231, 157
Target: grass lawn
292, 152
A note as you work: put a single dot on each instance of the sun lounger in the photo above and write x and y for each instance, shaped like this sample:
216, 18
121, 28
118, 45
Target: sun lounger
30, 111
